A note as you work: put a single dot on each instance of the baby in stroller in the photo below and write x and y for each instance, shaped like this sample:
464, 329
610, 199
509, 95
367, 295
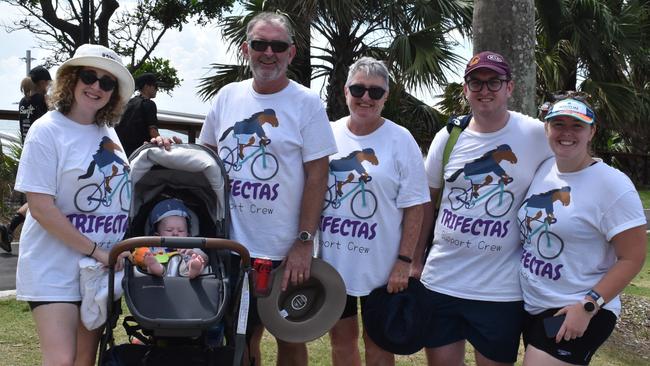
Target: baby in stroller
170, 217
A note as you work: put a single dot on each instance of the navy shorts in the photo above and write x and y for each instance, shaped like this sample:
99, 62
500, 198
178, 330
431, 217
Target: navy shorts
351, 306
493, 328
576, 351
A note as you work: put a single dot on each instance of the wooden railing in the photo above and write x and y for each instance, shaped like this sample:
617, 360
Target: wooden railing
185, 123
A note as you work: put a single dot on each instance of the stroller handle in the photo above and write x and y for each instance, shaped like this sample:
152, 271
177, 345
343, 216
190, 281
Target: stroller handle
177, 242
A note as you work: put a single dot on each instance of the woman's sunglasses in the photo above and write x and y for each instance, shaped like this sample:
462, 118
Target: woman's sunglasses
276, 46
89, 77
374, 92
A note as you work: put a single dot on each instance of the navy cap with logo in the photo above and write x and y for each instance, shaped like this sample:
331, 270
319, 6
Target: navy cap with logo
488, 60
39, 73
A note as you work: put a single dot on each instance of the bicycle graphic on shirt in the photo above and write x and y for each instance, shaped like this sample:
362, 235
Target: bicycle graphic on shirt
549, 244
498, 200
263, 167
363, 202
90, 196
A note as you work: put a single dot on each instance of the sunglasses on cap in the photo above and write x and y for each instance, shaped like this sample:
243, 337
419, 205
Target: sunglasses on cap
374, 92
89, 77
276, 46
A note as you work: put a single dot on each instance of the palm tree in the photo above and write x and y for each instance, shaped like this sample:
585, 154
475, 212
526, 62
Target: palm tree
600, 47
412, 36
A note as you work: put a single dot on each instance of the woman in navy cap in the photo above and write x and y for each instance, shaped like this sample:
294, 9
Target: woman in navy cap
581, 247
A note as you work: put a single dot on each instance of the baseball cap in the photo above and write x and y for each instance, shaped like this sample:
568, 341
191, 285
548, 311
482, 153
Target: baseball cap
94, 55
307, 311
39, 73
147, 78
572, 108
488, 60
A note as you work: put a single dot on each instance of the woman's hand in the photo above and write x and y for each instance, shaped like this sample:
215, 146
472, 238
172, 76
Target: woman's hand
119, 265
575, 323
165, 142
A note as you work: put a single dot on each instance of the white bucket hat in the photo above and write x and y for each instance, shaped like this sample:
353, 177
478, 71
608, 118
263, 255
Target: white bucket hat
94, 55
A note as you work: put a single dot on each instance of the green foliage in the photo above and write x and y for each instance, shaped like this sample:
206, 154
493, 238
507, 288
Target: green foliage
409, 35
8, 170
167, 75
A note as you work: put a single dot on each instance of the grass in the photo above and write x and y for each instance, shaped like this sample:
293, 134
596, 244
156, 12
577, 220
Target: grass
645, 198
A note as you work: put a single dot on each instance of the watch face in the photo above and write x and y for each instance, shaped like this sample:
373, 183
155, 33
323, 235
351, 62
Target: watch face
304, 236
589, 306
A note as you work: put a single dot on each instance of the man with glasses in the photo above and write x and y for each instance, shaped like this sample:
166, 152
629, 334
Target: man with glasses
277, 184
472, 268
139, 122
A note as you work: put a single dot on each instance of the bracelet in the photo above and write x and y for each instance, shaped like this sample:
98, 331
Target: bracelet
404, 258
93, 251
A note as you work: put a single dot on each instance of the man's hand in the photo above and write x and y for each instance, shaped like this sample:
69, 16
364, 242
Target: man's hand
398, 280
297, 264
165, 142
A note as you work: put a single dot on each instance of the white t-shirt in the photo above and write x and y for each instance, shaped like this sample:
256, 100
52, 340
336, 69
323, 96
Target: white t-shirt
266, 187
68, 161
562, 261
362, 243
476, 250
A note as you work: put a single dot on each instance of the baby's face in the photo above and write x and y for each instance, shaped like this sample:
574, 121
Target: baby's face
173, 226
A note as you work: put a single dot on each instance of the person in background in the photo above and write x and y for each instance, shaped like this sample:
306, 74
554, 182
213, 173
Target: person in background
385, 158
69, 148
578, 260
31, 107
471, 270
286, 162
139, 123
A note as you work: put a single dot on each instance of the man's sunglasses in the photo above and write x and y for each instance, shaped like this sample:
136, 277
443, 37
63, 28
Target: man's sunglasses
374, 92
276, 46
89, 77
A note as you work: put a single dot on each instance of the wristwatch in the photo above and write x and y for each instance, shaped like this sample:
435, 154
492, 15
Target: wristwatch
305, 236
597, 299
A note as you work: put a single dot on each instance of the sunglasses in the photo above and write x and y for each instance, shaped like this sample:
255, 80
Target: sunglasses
276, 46
89, 77
374, 92
493, 85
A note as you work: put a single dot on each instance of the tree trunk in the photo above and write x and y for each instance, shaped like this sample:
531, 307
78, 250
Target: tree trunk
508, 28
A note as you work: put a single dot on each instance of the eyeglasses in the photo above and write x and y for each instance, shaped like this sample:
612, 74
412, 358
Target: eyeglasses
89, 77
493, 85
374, 92
276, 46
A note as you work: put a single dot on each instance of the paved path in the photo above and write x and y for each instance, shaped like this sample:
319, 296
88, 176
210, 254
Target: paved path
8, 269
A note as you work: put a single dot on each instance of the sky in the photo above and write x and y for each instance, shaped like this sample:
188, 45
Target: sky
190, 52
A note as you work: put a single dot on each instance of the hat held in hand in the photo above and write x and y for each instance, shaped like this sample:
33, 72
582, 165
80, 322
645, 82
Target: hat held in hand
307, 311
394, 321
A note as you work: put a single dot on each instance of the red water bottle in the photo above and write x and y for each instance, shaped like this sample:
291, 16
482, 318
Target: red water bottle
262, 269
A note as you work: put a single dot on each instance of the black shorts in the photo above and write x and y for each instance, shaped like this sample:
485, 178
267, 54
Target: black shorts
352, 307
576, 351
34, 304
493, 328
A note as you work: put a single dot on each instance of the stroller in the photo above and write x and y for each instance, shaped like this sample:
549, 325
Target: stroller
175, 320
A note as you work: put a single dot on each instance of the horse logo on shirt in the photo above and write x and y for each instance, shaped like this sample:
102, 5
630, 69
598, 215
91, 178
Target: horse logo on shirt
342, 168
244, 131
479, 171
363, 202
106, 159
549, 245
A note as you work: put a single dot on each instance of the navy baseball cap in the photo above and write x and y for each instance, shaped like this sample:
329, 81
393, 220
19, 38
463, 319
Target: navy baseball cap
488, 60
39, 73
